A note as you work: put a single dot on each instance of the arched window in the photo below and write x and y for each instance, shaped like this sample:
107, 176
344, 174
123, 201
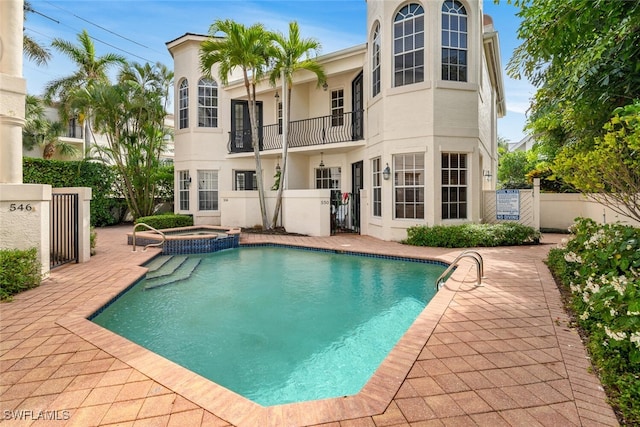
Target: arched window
375, 62
207, 103
183, 104
454, 41
408, 45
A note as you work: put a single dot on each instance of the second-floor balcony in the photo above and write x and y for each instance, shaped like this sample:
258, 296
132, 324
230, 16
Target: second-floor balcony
75, 129
302, 133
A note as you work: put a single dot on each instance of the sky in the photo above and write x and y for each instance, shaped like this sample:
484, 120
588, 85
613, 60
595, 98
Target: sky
139, 30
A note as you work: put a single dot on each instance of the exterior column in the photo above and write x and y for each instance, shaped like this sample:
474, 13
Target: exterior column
536, 203
13, 89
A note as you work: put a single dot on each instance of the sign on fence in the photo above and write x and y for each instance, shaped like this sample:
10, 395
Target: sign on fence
508, 204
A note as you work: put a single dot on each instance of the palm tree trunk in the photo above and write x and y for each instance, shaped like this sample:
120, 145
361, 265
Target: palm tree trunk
49, 150
286, 114
255, 140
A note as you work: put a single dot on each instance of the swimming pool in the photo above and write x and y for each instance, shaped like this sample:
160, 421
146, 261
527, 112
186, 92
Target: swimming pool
278, 325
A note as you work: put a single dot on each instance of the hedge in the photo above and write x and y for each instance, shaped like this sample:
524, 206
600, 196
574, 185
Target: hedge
106, 207
161, 222
472, 235
19, 271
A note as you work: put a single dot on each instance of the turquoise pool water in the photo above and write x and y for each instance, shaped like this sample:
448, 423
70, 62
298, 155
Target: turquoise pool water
278, 325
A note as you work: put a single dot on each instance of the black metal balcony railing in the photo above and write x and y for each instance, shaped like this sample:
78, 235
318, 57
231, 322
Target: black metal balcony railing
74, 129
303, 133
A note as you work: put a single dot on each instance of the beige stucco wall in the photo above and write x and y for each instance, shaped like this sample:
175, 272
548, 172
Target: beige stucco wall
242, 208
24, 219
558, 211
303, 211
307, 212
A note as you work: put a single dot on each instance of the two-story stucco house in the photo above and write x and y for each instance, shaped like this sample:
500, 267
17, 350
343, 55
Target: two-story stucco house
404, 132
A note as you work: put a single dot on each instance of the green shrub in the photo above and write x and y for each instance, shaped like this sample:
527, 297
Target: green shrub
19, 271
472, 235
107, 208
601, 267
166, 221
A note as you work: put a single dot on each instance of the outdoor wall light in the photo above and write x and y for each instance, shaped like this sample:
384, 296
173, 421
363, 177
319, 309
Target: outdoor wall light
321, 165
278, 168
487, 174
325, 86
277, 96
386, 173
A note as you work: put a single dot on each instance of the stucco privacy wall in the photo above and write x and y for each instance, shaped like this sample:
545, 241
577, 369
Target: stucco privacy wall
307, 211
24, 219
558, 211
242, 208
303, 211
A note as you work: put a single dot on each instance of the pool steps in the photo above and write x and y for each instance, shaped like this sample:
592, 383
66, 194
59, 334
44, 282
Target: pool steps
167, 268
157, 262
173, 270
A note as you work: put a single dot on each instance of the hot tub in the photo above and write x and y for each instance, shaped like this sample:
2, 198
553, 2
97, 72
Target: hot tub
189, 240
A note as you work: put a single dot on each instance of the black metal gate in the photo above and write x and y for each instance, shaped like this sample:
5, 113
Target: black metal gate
345, 212
63, 240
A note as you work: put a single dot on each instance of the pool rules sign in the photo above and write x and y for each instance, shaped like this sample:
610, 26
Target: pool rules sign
508, 205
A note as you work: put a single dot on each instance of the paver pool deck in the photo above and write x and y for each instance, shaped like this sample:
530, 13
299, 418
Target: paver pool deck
501, 354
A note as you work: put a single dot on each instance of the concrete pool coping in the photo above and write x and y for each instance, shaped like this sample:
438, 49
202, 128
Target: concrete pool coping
373, 398
501, 354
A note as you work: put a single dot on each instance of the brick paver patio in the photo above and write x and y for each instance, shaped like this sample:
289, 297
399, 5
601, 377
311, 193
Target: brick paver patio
497, 355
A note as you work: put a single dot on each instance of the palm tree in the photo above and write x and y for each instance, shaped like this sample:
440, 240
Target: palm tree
290, 55
51, 141
91, 69
151, 78
131, 119
34, 125
32, 50
38, 130
249, 49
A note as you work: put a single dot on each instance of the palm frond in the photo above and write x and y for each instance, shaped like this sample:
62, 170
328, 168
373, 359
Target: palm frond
34, 51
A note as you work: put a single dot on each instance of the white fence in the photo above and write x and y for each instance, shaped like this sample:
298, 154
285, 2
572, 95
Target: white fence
549, 211
523, 206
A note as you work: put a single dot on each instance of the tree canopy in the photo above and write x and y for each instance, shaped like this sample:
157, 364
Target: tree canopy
584, 58
90, 68
610, 172
130, 114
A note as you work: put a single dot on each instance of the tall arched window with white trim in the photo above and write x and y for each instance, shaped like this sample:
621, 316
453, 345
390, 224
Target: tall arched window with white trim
408, 45
183, 104
454, 41
375, 62
207, 103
